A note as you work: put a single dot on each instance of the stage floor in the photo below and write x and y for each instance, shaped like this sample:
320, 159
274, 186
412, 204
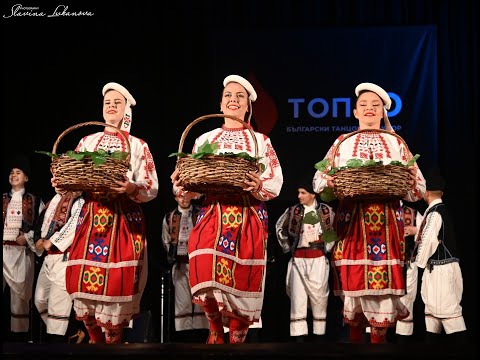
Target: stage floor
251, 351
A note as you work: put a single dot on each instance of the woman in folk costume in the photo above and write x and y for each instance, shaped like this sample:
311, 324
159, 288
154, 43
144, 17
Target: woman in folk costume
370, 253
107, 267
20, 213
227, 246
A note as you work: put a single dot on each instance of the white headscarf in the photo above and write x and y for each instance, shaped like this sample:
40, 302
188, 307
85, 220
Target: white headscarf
127, 116
387, 101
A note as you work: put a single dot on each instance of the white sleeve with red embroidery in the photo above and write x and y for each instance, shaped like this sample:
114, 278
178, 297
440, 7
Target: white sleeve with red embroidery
272, 176
142, 171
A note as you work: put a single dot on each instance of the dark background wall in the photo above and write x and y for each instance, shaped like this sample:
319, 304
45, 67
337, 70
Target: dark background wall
54, 68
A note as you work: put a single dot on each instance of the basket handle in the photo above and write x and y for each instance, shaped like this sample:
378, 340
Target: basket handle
76, 126
201, 118
369, 130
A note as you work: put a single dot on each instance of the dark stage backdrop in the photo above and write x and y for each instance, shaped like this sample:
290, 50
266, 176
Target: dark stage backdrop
303, 57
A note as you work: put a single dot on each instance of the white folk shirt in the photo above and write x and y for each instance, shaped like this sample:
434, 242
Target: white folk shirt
309, 232
186, 226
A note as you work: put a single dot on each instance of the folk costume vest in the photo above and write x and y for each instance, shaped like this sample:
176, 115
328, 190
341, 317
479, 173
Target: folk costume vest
293, 222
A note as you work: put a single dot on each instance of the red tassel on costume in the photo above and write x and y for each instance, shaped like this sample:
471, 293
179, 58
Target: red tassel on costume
94, 331
238, 331
377, 336
215, 320
113, 336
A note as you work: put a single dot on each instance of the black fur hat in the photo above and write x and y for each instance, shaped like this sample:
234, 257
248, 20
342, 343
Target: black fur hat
306, 183
20, 162
434, 180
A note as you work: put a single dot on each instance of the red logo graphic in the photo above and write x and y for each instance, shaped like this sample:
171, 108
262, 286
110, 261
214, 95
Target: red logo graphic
264, 109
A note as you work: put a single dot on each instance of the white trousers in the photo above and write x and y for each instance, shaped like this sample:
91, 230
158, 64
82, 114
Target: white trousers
405, 326
307, 286
441, 291
51, 297
18, 273
188, 316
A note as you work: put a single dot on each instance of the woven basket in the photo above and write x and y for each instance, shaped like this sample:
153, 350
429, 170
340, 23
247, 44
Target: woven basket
215, 173
83, 174
379, 182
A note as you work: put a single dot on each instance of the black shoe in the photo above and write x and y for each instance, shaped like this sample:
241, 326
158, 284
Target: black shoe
17, 337
432, 338
403, 339
299, 339
56, 339
460, 338
319, 339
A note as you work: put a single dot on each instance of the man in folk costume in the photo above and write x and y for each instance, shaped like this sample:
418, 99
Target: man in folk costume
299, 231
176, 228
20, 213
57, 227
107, 267
442, 280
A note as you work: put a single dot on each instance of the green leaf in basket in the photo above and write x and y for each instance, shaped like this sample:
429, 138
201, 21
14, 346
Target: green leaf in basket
329, 235
311, 218
412, 160
322, 165
179, 154
208, 148
370, 162
327, 194
100, 152
119, 155
52, 155
243, 155
98, 159
353, 163
198, 155
76, 155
